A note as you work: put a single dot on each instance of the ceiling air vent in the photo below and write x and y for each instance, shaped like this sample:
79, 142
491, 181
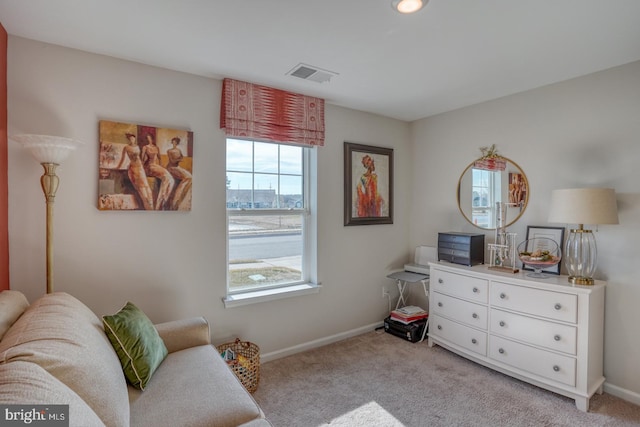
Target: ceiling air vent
308, 72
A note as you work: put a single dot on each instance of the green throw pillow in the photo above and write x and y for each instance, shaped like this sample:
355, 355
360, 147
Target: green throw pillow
137, 343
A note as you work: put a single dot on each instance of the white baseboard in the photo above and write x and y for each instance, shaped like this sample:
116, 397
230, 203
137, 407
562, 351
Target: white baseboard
622, 393
318, 343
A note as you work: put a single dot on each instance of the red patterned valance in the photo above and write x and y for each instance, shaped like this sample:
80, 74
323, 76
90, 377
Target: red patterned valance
260, 112
491, 164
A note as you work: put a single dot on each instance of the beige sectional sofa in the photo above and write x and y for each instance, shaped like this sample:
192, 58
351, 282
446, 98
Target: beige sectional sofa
55, 351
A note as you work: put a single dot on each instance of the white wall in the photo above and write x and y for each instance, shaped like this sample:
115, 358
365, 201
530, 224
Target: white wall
582, 132
172, 264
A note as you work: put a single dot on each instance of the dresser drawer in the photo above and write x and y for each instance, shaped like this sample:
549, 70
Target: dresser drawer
452, 246
470, 288
552, 305
458, 334
543, 363
460, 310
463, 260
542, 333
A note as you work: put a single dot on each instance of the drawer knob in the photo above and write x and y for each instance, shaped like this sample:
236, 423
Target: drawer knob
502, 323
556, 368
440, 281
439, 327
439, 304
501, 350
474, 315
556, 337
474, 341
476, 290
503, 296
557, 306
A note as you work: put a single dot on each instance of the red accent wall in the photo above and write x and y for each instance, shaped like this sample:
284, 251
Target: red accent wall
4, 186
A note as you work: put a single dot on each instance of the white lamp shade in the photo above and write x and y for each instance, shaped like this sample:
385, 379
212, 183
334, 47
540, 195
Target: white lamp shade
584, 206
48, 149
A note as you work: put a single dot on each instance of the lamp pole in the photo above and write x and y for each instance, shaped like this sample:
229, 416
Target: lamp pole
49, 182
50, 152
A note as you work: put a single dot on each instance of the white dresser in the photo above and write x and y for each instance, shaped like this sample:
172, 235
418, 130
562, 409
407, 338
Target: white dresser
543, 331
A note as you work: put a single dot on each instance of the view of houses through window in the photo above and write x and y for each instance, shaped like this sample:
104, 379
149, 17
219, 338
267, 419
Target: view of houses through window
266, 213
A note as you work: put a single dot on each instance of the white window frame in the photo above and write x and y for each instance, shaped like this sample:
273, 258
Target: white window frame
308, 283
493, 187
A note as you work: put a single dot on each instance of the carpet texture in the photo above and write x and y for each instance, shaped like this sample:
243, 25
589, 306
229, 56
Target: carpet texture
378, 380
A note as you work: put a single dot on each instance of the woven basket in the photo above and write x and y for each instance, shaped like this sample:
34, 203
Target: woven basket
247, 366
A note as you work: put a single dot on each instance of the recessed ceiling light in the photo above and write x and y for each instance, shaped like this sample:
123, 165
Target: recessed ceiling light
408, 6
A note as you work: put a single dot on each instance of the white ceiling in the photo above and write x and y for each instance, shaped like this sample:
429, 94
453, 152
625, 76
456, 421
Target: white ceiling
451, 54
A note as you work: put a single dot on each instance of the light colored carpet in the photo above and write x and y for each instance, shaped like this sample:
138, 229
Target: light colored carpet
378, 380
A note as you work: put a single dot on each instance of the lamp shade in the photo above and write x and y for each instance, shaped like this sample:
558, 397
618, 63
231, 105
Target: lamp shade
47, 149
584, 206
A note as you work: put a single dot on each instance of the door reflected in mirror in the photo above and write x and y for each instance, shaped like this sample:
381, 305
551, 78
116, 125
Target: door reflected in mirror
481, 187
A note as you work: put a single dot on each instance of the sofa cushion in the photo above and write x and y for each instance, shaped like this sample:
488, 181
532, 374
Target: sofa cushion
200, 383
12, 305
27, 383
137, 343
64, 337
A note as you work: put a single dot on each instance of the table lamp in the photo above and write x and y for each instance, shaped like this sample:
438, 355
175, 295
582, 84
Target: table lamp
50, 152
582, 206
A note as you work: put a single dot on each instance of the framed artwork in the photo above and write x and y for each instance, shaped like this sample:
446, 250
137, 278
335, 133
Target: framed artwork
554, 233
517, 189
368, 184
144, 168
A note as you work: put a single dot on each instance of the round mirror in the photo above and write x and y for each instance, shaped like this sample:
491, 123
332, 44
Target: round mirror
486, 182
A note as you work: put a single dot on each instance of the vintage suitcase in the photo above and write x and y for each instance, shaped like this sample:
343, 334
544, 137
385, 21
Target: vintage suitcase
411, 332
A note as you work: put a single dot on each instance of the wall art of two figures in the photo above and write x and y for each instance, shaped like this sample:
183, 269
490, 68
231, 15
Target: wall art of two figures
144, 168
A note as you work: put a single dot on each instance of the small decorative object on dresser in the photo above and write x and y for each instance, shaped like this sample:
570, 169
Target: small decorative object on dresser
502, 253
539, 253
554, 233
546, 332
461, 248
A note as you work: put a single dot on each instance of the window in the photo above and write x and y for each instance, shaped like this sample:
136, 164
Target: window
270, 227
486, 184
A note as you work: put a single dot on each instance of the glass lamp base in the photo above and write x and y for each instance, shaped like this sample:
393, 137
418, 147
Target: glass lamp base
581, 280
580, 255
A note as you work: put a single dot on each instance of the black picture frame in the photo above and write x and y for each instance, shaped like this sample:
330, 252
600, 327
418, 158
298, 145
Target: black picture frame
553, 233
368, 193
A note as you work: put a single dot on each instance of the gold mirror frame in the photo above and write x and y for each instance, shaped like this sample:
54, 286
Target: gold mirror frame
525, 202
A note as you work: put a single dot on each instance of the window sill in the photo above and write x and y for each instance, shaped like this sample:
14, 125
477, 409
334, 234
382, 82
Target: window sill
257, 296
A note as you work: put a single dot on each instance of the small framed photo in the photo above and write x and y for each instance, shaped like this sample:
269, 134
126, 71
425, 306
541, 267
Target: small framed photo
368, 184
554, 233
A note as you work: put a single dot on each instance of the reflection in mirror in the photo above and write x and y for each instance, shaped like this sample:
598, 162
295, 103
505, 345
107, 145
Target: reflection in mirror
487, 182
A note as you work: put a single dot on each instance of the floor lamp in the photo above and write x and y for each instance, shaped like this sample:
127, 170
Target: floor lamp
50, 152
582, 206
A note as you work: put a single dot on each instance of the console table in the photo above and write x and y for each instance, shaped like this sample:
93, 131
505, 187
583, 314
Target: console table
546, 332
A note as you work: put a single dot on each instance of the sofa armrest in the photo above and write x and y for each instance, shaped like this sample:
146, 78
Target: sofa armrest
260, 422
185, 333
